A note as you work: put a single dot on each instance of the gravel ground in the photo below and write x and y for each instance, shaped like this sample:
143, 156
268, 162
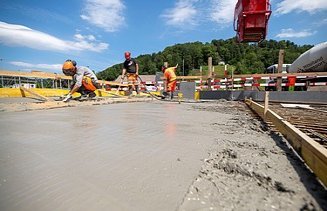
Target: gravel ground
251, 168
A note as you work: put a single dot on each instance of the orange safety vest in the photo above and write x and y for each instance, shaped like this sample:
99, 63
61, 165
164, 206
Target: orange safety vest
170, 74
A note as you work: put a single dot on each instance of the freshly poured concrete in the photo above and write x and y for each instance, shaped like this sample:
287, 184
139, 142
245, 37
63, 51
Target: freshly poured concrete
115, 157
148, 156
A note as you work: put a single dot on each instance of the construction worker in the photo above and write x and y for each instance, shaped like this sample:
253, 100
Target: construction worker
169, 81
131, 70
85, 81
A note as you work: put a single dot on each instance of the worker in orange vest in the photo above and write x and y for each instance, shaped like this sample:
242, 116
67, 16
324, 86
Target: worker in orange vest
85, 81
169, 81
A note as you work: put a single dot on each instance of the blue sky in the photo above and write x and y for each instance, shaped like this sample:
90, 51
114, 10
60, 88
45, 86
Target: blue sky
41, 35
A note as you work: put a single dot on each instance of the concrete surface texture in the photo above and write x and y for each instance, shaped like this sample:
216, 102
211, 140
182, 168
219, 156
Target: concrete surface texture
149, 156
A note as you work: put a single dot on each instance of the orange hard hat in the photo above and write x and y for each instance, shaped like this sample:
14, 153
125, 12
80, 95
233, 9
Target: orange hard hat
68, 67
127, 55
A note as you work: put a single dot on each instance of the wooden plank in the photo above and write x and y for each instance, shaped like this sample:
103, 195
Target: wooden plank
113, 83
33, 93
279, 69
22, 92
312, 152
35, 74
17, 92
110, 93
266, 105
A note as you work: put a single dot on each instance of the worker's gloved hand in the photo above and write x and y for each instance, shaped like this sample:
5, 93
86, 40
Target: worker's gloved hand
67, 98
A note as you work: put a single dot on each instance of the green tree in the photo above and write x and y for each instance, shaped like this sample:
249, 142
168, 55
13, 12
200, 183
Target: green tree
245, 57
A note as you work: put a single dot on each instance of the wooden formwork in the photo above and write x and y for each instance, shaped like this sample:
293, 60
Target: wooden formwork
314, 155
43, 93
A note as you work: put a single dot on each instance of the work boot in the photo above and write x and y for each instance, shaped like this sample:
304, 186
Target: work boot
83, 97
137, 90
92, 95
164, 95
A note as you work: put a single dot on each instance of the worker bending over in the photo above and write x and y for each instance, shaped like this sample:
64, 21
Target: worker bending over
85, 81
131, 70
169, 81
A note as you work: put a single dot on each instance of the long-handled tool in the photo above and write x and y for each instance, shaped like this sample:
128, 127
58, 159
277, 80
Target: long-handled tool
121, 82
158, 97
162, 97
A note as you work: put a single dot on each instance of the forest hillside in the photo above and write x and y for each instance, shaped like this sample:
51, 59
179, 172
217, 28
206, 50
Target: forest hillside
243, 58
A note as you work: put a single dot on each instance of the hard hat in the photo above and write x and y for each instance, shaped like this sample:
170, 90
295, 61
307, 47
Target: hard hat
68, 68
127, 55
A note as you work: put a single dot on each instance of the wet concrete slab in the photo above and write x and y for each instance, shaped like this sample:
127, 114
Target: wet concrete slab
29, 104
149, 155
134, 156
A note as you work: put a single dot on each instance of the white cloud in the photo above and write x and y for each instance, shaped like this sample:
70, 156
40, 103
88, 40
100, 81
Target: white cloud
18, 35
289, 33
105, 14
193, 12
311, 6
52, 67
222, 11
86, 37
183, 14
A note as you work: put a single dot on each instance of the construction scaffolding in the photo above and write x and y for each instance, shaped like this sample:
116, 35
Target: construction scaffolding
34, 79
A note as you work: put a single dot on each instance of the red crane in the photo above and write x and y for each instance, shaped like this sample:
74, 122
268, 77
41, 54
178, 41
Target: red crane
251, 20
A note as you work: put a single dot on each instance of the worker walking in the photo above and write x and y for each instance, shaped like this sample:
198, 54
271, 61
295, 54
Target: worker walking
131, 70
169, 81
85, 81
